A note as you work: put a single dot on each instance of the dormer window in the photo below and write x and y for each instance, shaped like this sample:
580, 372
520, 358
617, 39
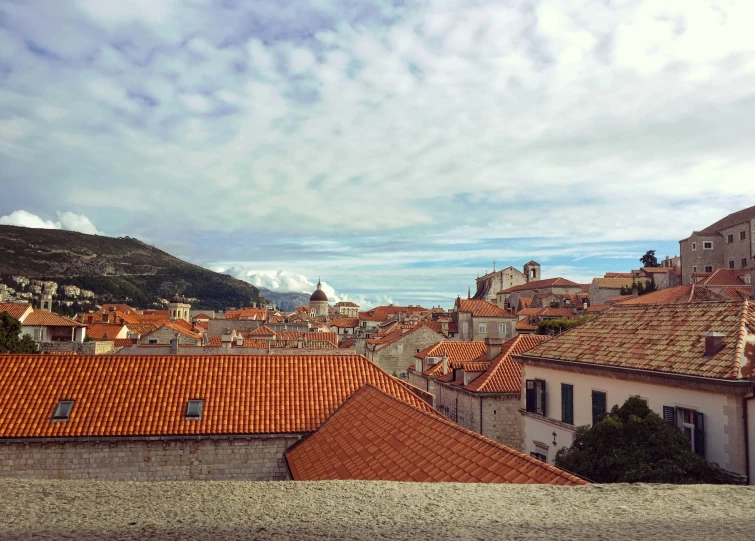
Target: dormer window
62, 411
194, 410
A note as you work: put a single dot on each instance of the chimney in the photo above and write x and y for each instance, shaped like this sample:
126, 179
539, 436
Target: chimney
714, 342
444, 362
494, 347
239, 340
584, 306
174, 346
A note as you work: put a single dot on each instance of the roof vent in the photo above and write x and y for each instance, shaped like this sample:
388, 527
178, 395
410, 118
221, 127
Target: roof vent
62, 411
714, 342
194, 410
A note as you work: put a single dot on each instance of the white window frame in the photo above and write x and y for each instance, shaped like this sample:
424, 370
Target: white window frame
684, 425
482, 328
502, 329
708, 242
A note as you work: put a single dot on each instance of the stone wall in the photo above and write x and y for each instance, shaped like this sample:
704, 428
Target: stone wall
739, 249
165, 334
249, 459
398, 356
492, 327
696, 260
100, 347
495, 416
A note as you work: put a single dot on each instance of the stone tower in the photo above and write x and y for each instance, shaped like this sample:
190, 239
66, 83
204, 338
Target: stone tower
532, 271
45, 302
318, 302
179, 308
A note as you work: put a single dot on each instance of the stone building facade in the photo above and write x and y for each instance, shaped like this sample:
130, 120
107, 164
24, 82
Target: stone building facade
255, 458
179, 308
396, 354
477, 320
318, 302
728, 243
491, 283
166, 333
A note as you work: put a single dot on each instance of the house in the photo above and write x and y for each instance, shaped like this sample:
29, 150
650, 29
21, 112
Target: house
662, 276
371, 319
692, 363
728, 243
345, 309
484, 395
394, 352
226, 417
479, 319
167, 331
107, 331
488, 284
363, 441
44, 326
439, 359
344, 326
19, 311
603, 289
550, 290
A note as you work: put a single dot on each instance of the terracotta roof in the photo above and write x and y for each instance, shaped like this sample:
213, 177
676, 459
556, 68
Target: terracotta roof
384, 313
108, 307
585, 288
537, 284
457, 352
97, 331
201, 316
40, 318
476, 366
123, 342
617, 275
663, 338
15, 310
617, 283
362, 440
658, 270
727, 277
263, 330
347, 343
597, 308
525, 325
146, 395
557, 312
480, 308
143, 328
735, 293
398, 334
735, 218
178, 328
525, 302
248, 314
669, 295
504, 375
345, 322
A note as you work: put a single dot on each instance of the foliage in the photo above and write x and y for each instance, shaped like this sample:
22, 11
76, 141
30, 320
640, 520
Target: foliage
632, 444
559, 325
649, 259
641, 287
10, 339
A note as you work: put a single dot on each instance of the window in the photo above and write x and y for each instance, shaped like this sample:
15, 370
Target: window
694, 246
691, 423
482, 328
539, 456
502, 329
567, 403
707, 245
153, 341
694, 268
731, 263
744, 262
742, 235
465, 328
400, 348
708, 268
62, 411
194, 410
730, 239
535, 396
418, 351
598, 405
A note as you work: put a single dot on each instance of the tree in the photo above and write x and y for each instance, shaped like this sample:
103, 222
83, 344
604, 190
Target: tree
10, 339
649, 259
561, 324
631, 444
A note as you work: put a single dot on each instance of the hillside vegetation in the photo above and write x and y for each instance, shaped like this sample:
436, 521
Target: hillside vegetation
116, 269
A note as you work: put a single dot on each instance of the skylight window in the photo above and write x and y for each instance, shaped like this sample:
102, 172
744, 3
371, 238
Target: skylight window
62, 411
194, 410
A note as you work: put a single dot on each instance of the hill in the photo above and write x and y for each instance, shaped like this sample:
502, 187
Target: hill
286, 301
116, 269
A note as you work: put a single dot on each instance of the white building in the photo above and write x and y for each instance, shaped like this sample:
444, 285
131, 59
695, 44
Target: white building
693, 363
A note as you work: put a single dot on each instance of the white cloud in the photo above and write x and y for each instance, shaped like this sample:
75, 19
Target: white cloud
66, 220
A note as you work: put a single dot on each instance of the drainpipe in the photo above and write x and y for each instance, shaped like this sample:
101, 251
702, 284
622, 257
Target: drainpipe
747, 440
481, 434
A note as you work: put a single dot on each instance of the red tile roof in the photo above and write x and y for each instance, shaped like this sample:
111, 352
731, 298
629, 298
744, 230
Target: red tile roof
457, 353
201, 316
662, 338
97, 331
345, 322
596, 308
669, 295
384, 313
617, 275
15, 310
538, 284
362, 440
146, 395
177, 327
480, 308
617, 283
504, 375
143, 328
735, 218
247, 314
40, 318
557, 312
525, 325
727, 277
124, 342
262, 330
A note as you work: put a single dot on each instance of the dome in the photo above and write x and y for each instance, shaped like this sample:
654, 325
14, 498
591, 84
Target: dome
319, 294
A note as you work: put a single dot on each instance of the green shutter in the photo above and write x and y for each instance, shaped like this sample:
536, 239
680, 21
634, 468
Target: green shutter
699, 434
531, 396
567, 403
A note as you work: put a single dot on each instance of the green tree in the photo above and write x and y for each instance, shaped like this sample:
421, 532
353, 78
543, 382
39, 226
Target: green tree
10, 339
631, 444
559, 325
649, 259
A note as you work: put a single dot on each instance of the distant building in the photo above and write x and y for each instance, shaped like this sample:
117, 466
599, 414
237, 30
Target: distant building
318, 302
345, 309
490, 284
728, 243
479, 319
179, 308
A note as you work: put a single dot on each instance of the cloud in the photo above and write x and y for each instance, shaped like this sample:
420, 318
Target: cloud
66, 220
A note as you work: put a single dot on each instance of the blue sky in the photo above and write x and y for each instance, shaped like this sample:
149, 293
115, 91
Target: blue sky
394, 148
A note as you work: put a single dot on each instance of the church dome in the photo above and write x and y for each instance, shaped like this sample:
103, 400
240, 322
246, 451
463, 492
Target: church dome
319, 294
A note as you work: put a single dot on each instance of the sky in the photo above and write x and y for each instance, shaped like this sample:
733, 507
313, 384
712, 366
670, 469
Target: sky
395, 149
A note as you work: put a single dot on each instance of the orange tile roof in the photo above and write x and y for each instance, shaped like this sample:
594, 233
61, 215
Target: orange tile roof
537, 284
345, 322
384, 313
530, 311
97, 331
525, 325
662, 338
347, 343
143, 328
174, 325
525, 302
201, 316
476, 366
15, 310
362, 440
146, 395
617, 275
504, 375
124, 342
40, 318
617, 283
735, 218
597, 308
557, 312
262, 330
116, 307
480, 308
457, 352
669, 295
398, 334
727, 277
247, 313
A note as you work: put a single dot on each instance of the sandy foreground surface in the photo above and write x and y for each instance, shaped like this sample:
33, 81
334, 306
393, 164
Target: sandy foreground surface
369, 510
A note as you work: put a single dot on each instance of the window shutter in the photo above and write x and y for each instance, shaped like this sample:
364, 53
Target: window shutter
699, 434
669, 415
598, 405
531, 395
542, 397
567, 403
